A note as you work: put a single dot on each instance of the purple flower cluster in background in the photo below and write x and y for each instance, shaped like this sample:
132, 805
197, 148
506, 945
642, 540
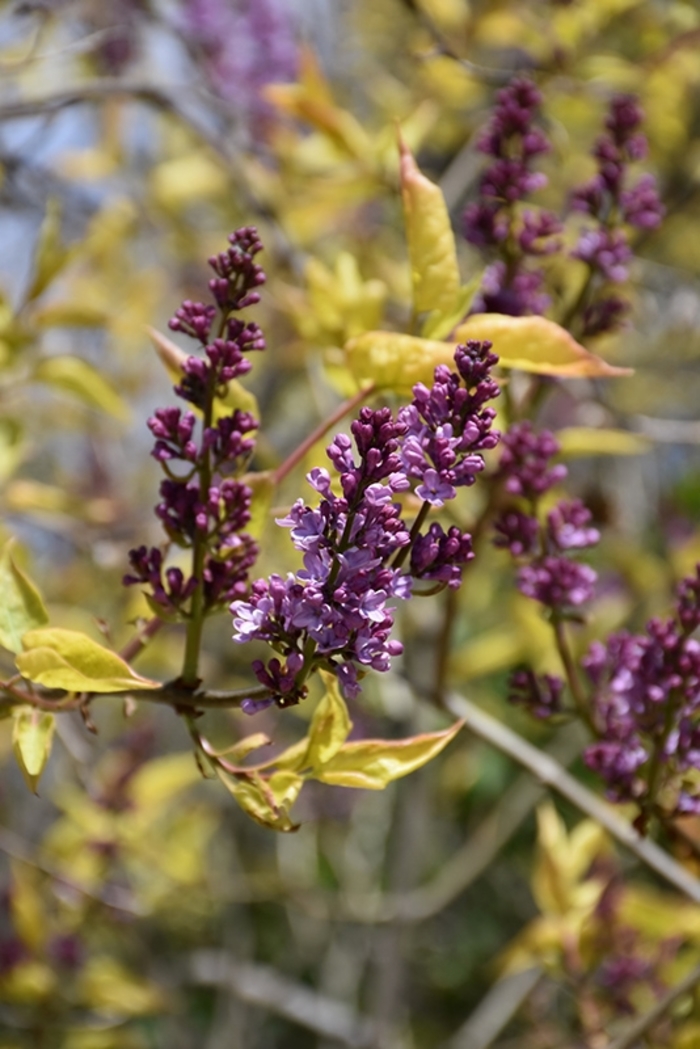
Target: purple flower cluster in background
645, 700
336, 613
511, 235
245, 44
605, 247
202, 502
642, 700
494, 223
547, 571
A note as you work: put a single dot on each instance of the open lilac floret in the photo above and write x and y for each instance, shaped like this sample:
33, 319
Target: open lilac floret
337, 612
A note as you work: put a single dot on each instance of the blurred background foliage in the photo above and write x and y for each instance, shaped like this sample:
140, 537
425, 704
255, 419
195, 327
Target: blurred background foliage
140, 908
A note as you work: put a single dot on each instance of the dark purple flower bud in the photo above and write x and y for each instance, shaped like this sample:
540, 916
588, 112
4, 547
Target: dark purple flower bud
194, 319
517, 532
535, 237
484, 225
525, 461
606, 251
604, 315
557, 582
641, 206
441, 556
688, 602
541, 694
568, 526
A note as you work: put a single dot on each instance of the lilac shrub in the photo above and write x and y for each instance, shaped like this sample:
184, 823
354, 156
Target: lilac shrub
359, 553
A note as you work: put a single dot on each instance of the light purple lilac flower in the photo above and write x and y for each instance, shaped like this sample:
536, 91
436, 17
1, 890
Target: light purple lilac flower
337, 612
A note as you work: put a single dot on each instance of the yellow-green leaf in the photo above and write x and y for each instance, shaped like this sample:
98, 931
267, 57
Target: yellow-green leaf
240, 750
580, 440
70, 315
71, 660
535, 344
258, 799
21, 606
441, 323
393, 361
431, 243
50, 255
32, 735
262, 484
85, 382
330, 725
372, 763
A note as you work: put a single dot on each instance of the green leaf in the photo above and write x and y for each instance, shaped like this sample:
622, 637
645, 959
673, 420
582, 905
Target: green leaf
240, 750
21, 607
397, 362
50, 255
72, 661
330, 725
263, 486
260, 800
85, 382
440, 324
70, 315
393, 361
372, 763
32, 735
431, 243
581, 440
535, 344
11, 447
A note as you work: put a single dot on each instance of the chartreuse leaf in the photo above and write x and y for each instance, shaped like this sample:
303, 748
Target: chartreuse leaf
85, 382
581, 440
372, 763
535, 344
21, 606
330, 725
266, 801
104, 985
263, 487
32, 736
431, 243
50, 255
395, 361
71, 660
240, 750
440, 323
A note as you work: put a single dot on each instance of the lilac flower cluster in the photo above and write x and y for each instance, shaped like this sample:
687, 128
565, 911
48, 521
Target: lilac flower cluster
335, 612
605, 247
244, 44
511, 235
202, 503
493, 222
547, 573
645, 702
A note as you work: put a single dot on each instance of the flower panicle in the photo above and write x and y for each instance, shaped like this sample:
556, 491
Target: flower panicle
336, 612
201, 499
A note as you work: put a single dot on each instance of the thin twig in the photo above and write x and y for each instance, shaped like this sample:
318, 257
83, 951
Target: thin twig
139, 641
321, 430
265, 987
550, 772
645, 1023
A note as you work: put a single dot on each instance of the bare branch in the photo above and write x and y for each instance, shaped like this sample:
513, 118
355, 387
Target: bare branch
550, 772
265, 987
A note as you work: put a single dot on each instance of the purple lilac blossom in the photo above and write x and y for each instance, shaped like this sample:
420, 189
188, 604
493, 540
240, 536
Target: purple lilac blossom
217, 516
492, 223
245, 44
646, 704
605, 248
337, 611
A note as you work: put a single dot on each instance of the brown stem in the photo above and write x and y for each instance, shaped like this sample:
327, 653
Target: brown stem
298, 454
